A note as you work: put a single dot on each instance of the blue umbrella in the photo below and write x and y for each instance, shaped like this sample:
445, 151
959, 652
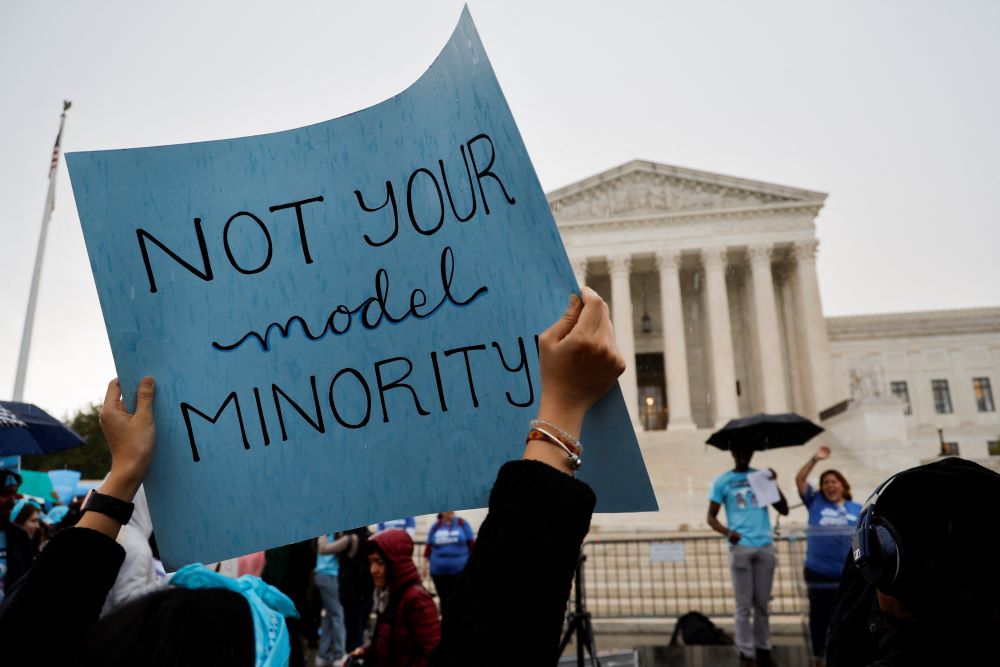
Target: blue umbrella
27, 429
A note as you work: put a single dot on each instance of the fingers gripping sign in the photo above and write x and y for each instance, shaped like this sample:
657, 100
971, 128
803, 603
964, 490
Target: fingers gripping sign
131, 437
579, 360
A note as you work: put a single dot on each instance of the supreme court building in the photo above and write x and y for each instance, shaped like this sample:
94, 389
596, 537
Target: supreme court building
713, 290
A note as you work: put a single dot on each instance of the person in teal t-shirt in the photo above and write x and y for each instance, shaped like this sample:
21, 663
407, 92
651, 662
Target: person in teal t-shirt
332, 630
751, 554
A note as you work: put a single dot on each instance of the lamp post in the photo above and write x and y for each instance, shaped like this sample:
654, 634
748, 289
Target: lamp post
647, 321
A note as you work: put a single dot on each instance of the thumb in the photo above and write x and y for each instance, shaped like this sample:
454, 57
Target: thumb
565, 324
144, 397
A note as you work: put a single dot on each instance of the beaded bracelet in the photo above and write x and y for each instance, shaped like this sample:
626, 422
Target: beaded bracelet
572, 443
572, 454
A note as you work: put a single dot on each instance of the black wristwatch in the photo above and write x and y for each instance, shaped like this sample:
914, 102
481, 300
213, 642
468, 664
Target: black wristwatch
117, 509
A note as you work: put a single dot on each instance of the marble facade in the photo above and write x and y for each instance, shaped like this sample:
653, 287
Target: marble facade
713, 289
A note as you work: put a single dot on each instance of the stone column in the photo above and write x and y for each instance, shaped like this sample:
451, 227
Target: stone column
720, 335
766, 335
620, 266
818, 376
579, 265
674, 341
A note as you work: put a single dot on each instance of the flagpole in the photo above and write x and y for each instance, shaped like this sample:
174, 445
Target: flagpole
29, 318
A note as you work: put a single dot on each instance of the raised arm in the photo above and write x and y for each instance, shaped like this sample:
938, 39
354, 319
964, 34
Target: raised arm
88, 548
529, 544
131, 439
801, 478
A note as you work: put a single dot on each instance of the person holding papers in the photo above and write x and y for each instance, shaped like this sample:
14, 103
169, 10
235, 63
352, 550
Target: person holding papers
746, 493
832, 518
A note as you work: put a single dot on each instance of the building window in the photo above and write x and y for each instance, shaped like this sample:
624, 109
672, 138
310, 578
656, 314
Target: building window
942, 397
902, 392
984, 394
993, 447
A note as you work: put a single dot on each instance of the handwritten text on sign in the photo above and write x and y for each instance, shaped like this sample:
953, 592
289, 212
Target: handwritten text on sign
341, 318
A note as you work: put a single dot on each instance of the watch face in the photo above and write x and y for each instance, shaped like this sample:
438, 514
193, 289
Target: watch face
86, 499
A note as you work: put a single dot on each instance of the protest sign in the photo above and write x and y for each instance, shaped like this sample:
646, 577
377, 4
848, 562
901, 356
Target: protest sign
64, 483
341, 318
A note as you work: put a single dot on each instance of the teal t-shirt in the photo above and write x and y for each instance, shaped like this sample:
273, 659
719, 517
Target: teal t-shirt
732, 490
328, 563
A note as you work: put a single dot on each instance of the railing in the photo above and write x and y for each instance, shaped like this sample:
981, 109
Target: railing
669, 576
664, 578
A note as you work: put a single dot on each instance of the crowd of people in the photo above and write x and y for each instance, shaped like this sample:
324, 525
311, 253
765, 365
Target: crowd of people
907, 579
25, 526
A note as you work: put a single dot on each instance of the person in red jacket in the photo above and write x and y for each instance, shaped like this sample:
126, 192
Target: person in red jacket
407, 628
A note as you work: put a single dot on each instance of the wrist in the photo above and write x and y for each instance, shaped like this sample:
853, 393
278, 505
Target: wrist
121, 485
545, 452
568, 417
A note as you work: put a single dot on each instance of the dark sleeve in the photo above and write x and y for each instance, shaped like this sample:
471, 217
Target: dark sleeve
66, 585
512, 595
20, 553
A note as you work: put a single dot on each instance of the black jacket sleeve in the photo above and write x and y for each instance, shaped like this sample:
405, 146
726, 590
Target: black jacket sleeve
508, 605
66, 586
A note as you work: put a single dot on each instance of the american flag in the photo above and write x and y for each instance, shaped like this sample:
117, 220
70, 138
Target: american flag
55, 155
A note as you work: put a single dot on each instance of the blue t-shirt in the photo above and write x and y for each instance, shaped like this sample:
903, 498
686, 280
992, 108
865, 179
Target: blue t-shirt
829, 535
409, 524
732, 490
449, 546
328, 563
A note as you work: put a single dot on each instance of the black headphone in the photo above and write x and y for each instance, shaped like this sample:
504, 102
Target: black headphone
876, 546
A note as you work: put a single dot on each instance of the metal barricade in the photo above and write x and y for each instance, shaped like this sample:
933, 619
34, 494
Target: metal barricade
671, 575
667, 576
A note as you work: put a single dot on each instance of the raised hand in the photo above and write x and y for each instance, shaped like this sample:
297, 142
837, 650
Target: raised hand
131, 437
579, 361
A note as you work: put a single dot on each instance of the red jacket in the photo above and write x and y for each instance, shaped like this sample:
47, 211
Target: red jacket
409, 629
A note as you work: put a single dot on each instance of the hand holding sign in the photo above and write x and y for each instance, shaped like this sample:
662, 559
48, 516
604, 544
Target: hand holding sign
131, 437
579, 360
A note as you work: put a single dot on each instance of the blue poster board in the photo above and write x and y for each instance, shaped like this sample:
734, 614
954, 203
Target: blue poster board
64, 483
341, 318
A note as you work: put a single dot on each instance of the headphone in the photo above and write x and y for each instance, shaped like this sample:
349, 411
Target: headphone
875, 546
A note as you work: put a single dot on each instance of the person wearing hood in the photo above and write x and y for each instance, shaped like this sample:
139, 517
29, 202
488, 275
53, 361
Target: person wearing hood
407, 628
137, 575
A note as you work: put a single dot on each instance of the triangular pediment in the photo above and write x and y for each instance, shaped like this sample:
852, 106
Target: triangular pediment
648, 188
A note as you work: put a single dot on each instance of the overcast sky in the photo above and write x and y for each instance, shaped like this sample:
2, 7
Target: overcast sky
890, 107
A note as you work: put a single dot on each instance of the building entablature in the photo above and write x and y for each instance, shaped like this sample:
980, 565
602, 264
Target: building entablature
961, 322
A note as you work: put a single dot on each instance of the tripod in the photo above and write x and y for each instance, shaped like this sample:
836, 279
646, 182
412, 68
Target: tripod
578, 621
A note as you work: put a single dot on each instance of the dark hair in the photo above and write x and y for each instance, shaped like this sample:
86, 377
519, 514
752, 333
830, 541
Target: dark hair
840, 477
180, 626
25, 514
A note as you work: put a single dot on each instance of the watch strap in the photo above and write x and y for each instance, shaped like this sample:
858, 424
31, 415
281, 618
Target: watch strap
116, 508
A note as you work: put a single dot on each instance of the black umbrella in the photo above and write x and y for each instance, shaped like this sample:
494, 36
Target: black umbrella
27, 429
763, 431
